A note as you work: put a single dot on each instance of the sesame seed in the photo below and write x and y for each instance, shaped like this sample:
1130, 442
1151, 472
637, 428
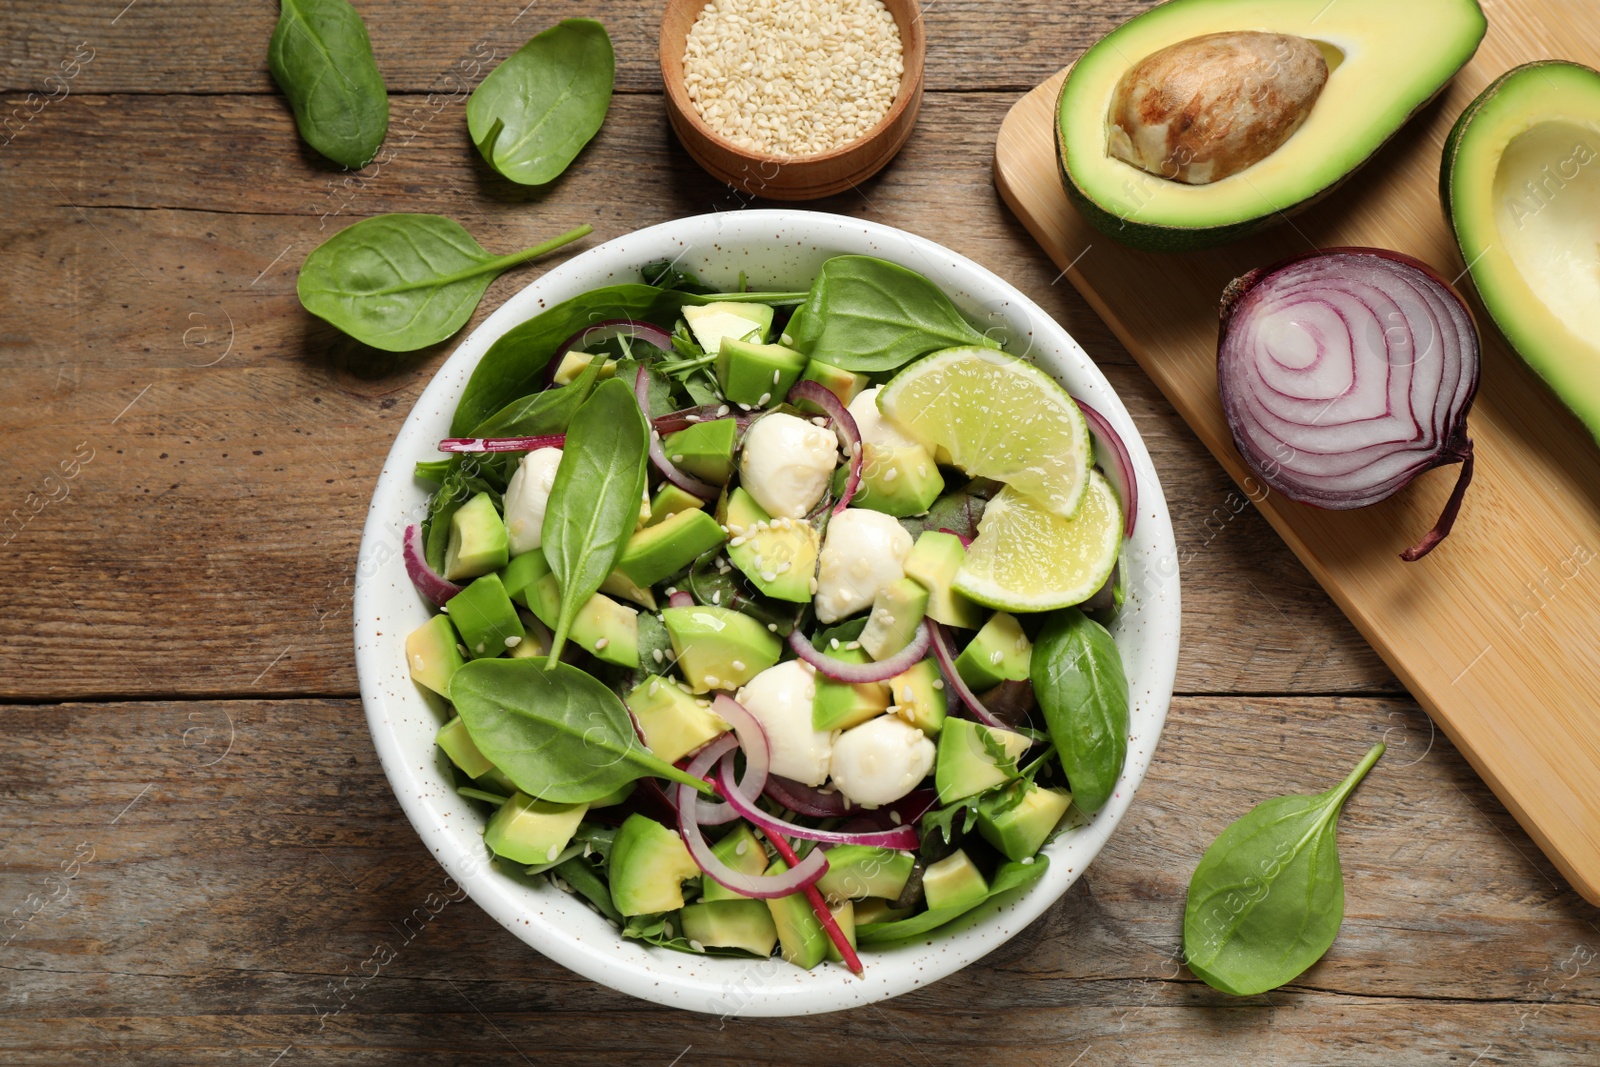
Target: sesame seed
602, 643
738, 664
551, 853
995, 657
658, 656
938, 683
513, 641
764, 398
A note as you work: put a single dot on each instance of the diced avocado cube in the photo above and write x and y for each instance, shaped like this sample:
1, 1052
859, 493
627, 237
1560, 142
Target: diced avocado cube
873, 910
964, 765
619, 584
671, 500
841, 705
844, 913
604, 627
530, 647
485, 618
933, 561
674, 723
1019, 828
779, 557
615, 797
896, 613
575, 363
741, 850
704, 449
528, 830
710, 323
478, 542
649, 864
953, 882
718, 648
658, 551
844, 384
896, 481
756, 374
801, 939
1000, 652
741, 923
522, 572
919, 696
856, 871
433, 655
458, 745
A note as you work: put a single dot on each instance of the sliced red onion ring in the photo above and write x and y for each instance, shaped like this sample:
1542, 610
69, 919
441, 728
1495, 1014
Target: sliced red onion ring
424, 577
757, 759
844, 425
658, 456
807, 800
501, 444
947, 667
1111, 442
902, 837
599, 333
857, 673
674, 421
680, 599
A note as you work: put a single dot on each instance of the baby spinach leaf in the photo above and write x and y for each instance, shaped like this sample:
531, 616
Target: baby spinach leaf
594, 502
665, 274
403, 282
1007, 877
534, 112
869, 315
1080, 685
1267, 899
581, 876
321, 58
547, 412
557, 733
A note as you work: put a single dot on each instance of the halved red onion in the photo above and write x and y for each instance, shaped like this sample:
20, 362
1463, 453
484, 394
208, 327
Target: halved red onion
1115, 451
946, 656
502, 444
856, 673
658, 456
599, 333
1346, 373
844, 425
424, 577
757, 759
903, 837
806, 799
680, 599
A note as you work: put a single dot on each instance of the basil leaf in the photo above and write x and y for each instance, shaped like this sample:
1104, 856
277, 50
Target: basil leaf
403, 282
1080, 685
534, 112
321, 58
557, 733
1267, 899
866, 314
1007, 876
594, 502
549, 412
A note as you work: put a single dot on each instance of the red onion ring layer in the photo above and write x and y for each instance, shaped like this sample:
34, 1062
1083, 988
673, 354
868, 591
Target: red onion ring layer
1116, 450
844, 425
858, 673
600, 332
424, 577
902, 837
952, 677
658, 455
757, 759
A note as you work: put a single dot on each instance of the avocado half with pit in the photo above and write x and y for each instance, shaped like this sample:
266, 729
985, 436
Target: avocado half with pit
1312, 124
1521, 187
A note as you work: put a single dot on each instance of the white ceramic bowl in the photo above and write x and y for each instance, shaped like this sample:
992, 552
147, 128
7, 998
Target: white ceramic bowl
778, 250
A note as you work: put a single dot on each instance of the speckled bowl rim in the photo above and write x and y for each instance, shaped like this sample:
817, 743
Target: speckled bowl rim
403, 718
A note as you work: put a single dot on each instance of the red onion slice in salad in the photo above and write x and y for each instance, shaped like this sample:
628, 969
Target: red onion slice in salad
844, 425
943, 652
757, 759
857, 673
680, 599
901, 837
806, 799
674, 421
1115, 452
502, 444
424, 577
601, 332
658, 456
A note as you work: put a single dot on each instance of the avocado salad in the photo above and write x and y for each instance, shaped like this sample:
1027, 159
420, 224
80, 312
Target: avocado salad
773, 621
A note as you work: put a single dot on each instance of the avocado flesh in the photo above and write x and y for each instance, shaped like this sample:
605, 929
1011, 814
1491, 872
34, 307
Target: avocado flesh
780, 560
741, 850
433, 655
528, 830
1520, 182
673, 723
659, 551
1020, 830
953, 882
964, 765
485, 617
649, 864
856, 871
1000, 652
801, 939
459, 746
919, 697
717, 648
739, 923
705, 449
1386, 61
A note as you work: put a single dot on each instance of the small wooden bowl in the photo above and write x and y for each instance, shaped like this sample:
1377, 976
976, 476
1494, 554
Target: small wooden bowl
801, 177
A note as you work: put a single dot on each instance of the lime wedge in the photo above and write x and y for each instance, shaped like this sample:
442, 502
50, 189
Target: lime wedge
1027, 559
995, 416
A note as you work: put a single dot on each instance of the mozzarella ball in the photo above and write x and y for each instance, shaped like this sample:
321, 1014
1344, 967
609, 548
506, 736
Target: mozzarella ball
527, 494
875, 427
865, 552
780, 699
786, 463
881, 760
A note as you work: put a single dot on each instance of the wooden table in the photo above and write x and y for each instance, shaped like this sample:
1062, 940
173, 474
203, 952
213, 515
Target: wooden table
202, 860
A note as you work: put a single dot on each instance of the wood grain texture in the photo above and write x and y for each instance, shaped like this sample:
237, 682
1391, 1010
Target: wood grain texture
1495, 632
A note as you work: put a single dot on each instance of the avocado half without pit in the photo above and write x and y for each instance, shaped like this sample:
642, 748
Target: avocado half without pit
1202, 121
1521, 187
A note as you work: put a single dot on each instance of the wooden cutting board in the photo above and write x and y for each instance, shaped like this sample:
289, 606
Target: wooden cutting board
1497, 633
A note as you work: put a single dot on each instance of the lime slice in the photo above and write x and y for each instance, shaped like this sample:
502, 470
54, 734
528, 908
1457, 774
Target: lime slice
996, 416
1028, 559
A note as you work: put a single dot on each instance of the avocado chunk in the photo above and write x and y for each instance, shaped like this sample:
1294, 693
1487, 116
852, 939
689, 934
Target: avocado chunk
844, 384
674, 723
973, 757
841, 705
607, 629
953, 882
741, 850
1019, 827
522, 573
458, 745
872, 910
779, 556
575, 363
740, 923
934, 561
1521, 178
478, 541
1000, 652
844, 913
856, 871
666, 548
718, 648
704, 449
649, 864
919, 697
801, 939
756, 374
1387, 62
710, 323
433, 654
619, 584
485, 618
896, 614
528, 830
671, 500
897, 481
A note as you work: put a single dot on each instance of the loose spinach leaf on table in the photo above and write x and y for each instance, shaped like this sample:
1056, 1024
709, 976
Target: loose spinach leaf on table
321, 58
1267, 899
1007, 877
1080, 685
557, 732
869, 315
402, 282
534, 112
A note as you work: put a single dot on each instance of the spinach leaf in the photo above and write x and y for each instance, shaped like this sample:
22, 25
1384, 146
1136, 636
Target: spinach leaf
665, 274
547, 412
534, 112
594, 503
1267, 899
467, 476
403, 282
869, 315
957, 511
1080, 685
580, 876
321, 58
557, 733
1007, 877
